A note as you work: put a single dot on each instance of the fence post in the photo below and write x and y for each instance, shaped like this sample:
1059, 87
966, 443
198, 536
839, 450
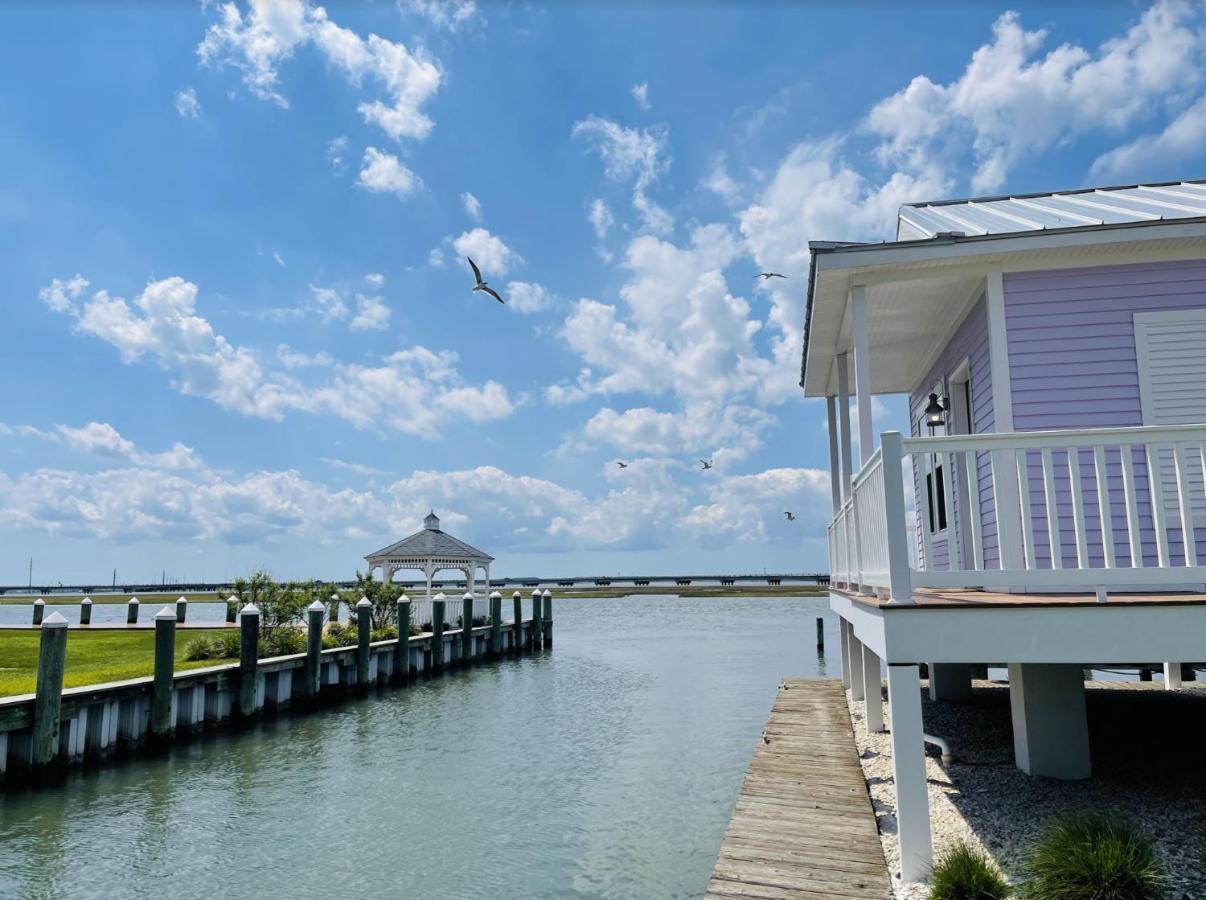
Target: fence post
517, 629
467, 629
437, 632
249, 634
314, 616
165, 663
52, 657
39, 607
900, 579
334, 615
364, 634
402, 653
548, 619
495, 624
536, 633
181, 610
132, 611
232, 609
86, 611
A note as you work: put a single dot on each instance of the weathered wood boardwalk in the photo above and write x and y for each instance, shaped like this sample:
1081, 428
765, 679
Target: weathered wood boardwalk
803, 826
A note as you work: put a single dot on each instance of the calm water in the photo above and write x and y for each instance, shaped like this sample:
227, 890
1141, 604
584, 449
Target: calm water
199, 613
605, 768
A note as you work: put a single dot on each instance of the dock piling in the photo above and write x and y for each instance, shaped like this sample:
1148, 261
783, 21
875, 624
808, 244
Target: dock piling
232, 609
86, 611
364, 636
249, 633
39, 607
466, 629
820, 636
547, 607
517, 628
314, 616
495, 624
48, 702
536, 635
132, 611
437, 633
165, 663
181, 610
402, 652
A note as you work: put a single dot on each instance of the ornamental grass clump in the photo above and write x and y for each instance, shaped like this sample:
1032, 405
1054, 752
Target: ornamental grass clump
965, 873
1090, 856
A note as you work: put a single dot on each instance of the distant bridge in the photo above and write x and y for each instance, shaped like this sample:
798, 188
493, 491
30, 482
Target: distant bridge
499, 583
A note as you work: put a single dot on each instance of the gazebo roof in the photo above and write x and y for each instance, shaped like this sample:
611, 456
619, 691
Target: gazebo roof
431, 543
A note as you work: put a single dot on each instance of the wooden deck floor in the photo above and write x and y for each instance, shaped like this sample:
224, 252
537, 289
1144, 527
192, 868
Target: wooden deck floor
803, 826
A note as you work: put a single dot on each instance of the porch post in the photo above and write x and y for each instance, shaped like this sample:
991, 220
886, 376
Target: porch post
862, 371
835, 463
872, 692
1172, 676
1050, 726
950, 681
908, 771
854, 662
843, 380
900, 576
1004, 462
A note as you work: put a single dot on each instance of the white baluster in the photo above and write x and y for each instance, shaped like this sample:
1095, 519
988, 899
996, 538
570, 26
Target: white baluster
1024, 501
1103, 506
1054, 540
973, 491
1133, 534
1188, 544
1155, 489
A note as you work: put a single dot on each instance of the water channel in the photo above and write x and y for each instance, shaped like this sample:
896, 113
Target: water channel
606, 768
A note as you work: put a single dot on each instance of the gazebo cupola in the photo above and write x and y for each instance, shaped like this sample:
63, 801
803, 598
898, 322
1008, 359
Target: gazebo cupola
431, 550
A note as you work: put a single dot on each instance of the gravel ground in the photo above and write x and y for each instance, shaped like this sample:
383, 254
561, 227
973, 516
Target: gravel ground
1146, 747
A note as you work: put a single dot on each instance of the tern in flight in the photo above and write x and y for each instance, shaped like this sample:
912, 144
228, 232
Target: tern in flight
706, 463
767, 276
790, 516
622, 465
481, 285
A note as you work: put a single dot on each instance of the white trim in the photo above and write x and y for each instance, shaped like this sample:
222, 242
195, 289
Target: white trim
1154, 577
1007, 503
843, 382
1059, 438
862, 370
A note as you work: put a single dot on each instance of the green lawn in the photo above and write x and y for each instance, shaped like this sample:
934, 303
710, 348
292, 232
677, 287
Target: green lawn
92, 656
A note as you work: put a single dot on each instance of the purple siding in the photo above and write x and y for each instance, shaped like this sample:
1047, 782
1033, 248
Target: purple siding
1073, 364
970, 343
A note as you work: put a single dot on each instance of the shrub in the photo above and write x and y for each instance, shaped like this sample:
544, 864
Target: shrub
283, 642
224, 646
965, 873
199, 648
1093, 857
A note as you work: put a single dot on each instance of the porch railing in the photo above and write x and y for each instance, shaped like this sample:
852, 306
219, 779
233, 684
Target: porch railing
1077, 509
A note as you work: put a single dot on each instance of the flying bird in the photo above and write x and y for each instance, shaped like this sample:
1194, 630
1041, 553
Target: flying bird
622, 465
706, 463
790, 516
481, 285
767, 276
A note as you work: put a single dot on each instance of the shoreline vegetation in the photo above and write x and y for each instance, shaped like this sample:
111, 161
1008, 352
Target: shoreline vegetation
568, 593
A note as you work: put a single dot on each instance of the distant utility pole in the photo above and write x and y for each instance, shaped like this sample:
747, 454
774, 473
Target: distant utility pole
31, 573
115, 578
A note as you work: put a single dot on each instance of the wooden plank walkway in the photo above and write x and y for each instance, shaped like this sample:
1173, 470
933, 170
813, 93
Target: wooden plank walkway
803, 826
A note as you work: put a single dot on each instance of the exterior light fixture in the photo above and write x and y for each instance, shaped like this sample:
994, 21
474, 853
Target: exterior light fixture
935, 412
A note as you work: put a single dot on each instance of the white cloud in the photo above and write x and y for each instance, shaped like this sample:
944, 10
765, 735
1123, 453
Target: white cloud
640, 93
103, 439
721, 183
272, 30
374, 279
600, 218
187, 105
330, 303
414, 391
371, 314
527, 297
723, 432
450, 14
337, 153
473, 206
1012, 100
382, 172
630, 154
435, 258
354, 467
1179, 142
751, 507
278, 259
489, 251
294, 359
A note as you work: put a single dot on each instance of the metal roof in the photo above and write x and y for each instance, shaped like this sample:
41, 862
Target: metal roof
1089, 207
429, 543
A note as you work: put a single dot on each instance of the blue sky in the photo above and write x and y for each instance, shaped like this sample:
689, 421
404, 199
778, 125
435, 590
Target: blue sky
237, 318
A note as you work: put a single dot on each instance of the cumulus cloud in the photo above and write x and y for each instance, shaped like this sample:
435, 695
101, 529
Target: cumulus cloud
450, 14
103, 439
374, 279
640, 93
187, 105
630, 154
271, 32
1179, 142
527, 297
337, 153
382, 172
371, 314
600, 218
473, 206
489, 251
414, 391
751, 507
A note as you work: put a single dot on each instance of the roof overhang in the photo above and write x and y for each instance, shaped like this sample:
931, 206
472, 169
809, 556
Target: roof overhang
918, 292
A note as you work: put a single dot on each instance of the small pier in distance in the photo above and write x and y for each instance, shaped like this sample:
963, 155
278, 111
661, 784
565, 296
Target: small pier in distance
803, 826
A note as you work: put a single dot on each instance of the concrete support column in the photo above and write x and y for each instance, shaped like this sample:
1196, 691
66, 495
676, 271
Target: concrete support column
1172, 676
854, 662
950, 681
844, 634
908, 770
872, 691
1050, 726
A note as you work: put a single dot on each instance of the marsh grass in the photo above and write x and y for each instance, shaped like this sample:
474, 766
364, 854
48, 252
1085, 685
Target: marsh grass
965, 873
1091, 856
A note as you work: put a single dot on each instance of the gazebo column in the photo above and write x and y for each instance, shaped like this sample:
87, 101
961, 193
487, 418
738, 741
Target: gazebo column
429, 570
470, 578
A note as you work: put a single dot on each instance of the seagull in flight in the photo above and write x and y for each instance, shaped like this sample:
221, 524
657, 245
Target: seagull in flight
767, 276
790, 516
706, 463
622, 465
481, 285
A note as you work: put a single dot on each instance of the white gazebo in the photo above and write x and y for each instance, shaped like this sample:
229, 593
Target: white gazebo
430, 551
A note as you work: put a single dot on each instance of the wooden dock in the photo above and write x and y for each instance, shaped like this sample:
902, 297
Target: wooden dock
803, 826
